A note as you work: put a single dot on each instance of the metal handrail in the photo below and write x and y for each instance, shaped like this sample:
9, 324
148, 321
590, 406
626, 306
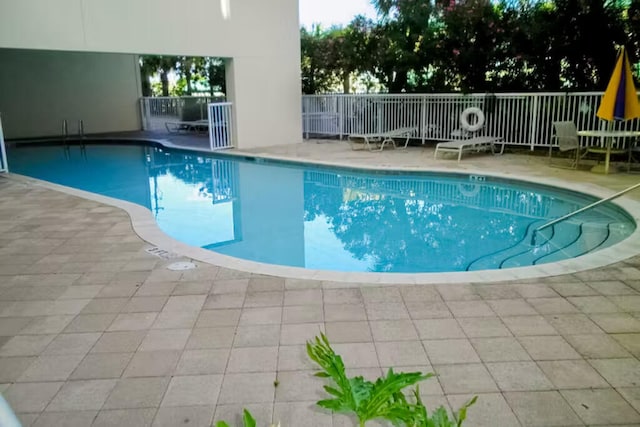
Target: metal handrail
569, 215
4, 167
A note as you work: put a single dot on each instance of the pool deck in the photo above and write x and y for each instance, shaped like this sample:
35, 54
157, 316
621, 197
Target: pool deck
96, 330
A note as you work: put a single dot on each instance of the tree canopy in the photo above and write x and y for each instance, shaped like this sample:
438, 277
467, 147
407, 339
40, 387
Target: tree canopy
195, 75
473, 46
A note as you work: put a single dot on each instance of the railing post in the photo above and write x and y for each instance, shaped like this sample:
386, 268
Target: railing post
423, 118
533, 133
4, 167
144, 110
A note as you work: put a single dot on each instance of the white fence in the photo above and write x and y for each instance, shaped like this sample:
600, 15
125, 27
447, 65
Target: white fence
519, 118
157, 111
3, 152
220, 125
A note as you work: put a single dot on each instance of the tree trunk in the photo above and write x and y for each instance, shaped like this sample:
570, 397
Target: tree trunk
346, 83
164, 79
187, 77
146, 86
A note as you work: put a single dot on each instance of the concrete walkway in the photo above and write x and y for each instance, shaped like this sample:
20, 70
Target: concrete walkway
94, 330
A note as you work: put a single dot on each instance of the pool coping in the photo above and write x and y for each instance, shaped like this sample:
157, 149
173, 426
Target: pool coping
145, 226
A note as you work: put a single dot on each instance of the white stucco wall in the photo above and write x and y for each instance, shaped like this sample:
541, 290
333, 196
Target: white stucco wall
39, 89
260, 37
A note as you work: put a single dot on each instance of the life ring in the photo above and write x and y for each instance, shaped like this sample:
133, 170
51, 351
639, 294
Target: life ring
469, 192
464, 119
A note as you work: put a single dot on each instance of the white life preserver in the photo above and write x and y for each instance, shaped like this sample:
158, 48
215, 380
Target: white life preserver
464, 119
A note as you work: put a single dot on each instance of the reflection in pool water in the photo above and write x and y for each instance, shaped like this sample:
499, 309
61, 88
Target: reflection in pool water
333, 219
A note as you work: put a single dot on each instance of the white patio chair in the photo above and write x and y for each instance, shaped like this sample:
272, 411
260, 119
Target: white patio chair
566, 135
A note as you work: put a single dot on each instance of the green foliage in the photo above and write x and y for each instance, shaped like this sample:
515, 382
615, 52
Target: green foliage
440, 417
247, 420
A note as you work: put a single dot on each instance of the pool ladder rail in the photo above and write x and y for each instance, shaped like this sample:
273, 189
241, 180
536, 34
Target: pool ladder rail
65, 133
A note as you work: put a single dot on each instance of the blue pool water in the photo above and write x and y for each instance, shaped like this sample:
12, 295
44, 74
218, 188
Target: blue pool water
330, 218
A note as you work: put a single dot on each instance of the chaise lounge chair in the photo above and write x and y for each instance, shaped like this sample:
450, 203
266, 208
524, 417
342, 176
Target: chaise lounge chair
377, 141
476, 144
197, 126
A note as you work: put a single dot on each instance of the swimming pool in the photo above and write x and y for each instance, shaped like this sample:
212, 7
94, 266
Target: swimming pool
333, 218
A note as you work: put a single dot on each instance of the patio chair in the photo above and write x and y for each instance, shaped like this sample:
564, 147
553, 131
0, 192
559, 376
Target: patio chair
477, 144
567, 137
634, 157
195, 126
377, 141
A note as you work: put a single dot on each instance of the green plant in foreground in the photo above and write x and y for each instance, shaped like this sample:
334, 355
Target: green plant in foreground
247, 420
380, 399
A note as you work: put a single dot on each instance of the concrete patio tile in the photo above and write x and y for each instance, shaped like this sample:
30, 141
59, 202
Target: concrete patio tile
612, 287
289, 413
102, 365
12, 367
340, 332
594, 304
511, 307
534, 290
618, 323
601, 406
496, 291
257, 387
377, 295
31, 397
115, 291
490, 410
137, 393
192, 390
165, 339
185, 303
200, 362
175, 320
90, 323
344, 312
218, 318
393, 330
193, 288
66, 419
548, 348
552, 305
125, 417
500, 349
149, 289
256, 336
82, 395
573, 324
294, 358
72, 343
629, 341
542, 408
478, 327
573, 289
152, 363
302, 284
105, 305
227, 286
297, 386
202, 338
232, 300
386, 311
450, 351
132, 322
253, 359
458, 292
465, 378
470, 309
87, 291
265, 284
302, 314
401, 353
618, 372
232, 414
10, 326
228, 273
438, 329
597, 346
303, 297
519, 376
264, 299
261, 316
26, 345
43, 325
197, 416
627, 303
299, 333
119, 342
139, 304
342, 296
428, 309
631, 395
357, 355
421, 293
51, 368
572, 374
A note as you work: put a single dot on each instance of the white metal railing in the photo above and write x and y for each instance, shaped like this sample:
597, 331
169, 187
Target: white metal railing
519, 118
156, 111
4, 167
220, 125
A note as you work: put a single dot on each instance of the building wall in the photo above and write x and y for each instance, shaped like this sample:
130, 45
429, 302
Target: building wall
39, 89
261, 39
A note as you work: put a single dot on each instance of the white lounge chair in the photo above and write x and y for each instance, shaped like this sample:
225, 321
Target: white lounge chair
476, 144
197, 126
377, 141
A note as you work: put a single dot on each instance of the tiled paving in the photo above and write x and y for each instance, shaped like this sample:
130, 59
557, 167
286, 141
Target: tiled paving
96, 331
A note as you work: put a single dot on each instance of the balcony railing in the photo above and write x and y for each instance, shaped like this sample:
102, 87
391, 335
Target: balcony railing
156, 111
519, 118
220, 125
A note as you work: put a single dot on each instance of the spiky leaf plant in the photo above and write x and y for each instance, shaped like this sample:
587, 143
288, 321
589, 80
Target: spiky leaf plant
439, 417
